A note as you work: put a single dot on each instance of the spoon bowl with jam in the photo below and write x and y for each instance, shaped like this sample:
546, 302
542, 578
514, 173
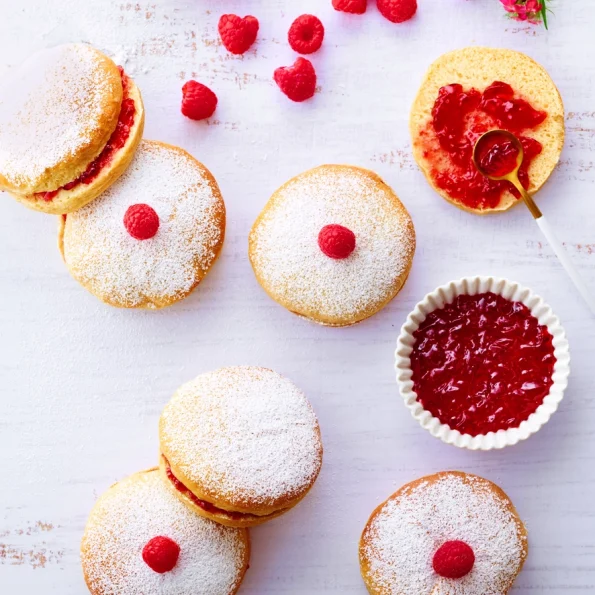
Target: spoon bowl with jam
498, 155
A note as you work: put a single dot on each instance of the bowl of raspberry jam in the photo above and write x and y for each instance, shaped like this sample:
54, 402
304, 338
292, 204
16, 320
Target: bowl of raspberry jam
482, 363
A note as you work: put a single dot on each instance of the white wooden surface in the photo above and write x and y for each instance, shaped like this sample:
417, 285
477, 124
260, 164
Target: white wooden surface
82, 385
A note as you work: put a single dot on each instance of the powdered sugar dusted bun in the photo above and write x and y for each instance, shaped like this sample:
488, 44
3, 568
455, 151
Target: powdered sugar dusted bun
240, 445
67, 115
121, 531
439, 527
182, 196
477, 68
333, 244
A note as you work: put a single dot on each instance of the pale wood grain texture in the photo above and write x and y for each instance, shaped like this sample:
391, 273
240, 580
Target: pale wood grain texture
82, 385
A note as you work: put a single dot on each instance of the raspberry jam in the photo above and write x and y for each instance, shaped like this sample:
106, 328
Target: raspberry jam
482, 364
459, 118
206, 506
114, 144
496, 155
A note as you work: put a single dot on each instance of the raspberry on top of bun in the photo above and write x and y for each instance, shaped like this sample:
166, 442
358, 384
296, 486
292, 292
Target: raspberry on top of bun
152, 237
141, 540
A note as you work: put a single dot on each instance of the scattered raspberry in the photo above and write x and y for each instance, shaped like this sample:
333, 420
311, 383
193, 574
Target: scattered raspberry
306, 34
352, 6
298, 82
397, 11
141, 221
161, 554
336, 241
198, 101
454, 559
238, 34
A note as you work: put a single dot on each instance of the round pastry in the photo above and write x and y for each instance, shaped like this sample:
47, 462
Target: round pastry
468, 92
240, 445
333, 244
446, 534
151, 237
140, 539
70, 122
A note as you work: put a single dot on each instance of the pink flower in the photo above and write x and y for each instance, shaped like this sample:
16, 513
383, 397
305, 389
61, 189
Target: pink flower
525, 10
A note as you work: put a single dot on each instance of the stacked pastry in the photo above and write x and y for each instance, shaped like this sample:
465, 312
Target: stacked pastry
71, 123
238, 447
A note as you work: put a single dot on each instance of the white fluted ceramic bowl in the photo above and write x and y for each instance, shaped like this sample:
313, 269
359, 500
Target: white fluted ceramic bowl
511, 291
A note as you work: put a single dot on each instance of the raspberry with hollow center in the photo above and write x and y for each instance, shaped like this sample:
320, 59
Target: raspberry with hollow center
454, 559
336, 241
298, 82
397, 11
351, 6
238, 34
198, 101
141, 221
161, 554
306, 34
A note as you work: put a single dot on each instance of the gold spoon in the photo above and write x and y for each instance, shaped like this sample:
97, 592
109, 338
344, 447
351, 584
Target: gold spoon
513, 177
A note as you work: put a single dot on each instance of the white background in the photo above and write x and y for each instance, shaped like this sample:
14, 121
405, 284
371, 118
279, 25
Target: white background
82, 385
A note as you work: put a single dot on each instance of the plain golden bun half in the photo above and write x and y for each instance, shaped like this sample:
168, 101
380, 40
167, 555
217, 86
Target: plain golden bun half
292, 268
59, 115
240, 445
139, 513
124, 271
403, 535
479, 67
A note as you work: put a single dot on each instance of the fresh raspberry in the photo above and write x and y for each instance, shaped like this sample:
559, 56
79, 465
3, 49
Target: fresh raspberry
161, 554
306, 34
141, 221
397, 11
298, 82
454, 559
352, 6
198, 101
336, 241
238, 34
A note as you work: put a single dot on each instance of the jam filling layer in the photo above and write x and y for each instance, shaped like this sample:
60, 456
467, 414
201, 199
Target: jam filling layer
206, 506
482, 364
117, 140
459, 118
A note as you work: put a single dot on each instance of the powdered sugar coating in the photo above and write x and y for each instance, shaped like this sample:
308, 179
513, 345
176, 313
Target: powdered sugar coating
123, 271
244, 434
399, 543
50, 107
212, 558
292, 268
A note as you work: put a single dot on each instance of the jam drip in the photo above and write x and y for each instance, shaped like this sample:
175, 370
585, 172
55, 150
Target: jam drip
206, 506
459, 118
482, 364
117, 140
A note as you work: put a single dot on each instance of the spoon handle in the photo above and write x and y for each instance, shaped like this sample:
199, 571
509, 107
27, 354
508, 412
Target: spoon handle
566, 261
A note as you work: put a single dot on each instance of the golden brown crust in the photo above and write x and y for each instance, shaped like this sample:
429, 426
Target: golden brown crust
478, 67
96, 130
152, 301
251, 519
366, 538
311, 312
68, 201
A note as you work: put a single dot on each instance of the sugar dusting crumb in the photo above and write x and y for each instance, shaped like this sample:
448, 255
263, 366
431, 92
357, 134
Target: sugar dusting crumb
133, 512
287, 259
100, 253
250, 431
49, 107
401, 540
